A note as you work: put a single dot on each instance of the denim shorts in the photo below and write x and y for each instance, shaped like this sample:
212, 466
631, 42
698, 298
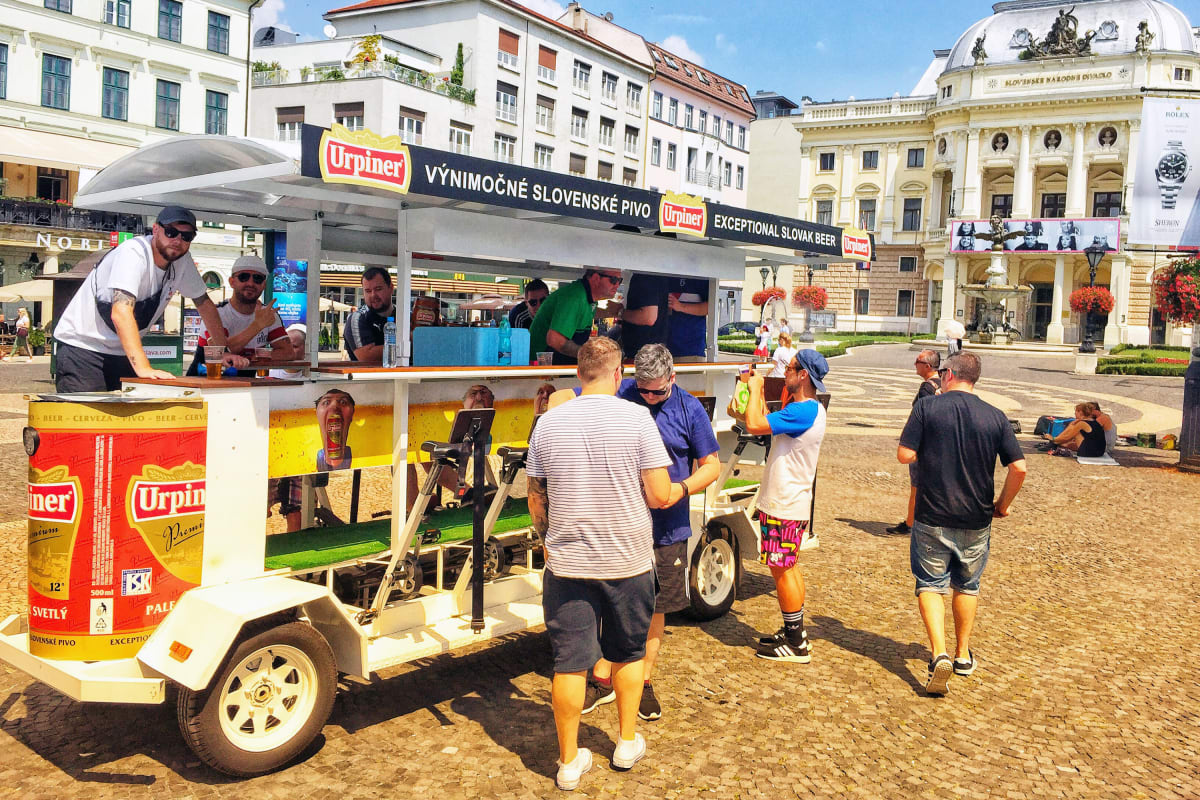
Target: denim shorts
588, 618
948, 557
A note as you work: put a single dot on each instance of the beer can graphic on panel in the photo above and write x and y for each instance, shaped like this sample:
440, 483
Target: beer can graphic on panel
116, 522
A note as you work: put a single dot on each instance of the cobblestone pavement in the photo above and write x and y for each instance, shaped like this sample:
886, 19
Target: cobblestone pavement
1087, 686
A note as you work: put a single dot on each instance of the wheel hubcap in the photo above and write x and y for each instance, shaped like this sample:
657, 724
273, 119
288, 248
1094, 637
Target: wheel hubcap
715, 572
268, 697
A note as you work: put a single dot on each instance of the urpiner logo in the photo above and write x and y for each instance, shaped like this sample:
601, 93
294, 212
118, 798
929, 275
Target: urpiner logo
53, 502
856, 244
365, 158
682, 213
154, 500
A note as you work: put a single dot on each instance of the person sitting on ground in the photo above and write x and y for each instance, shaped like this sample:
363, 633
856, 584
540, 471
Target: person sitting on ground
1105, 422
783, 355
1083, 438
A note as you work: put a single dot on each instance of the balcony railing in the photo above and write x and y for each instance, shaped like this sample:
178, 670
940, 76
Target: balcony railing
381, 69
61, 215
710, 179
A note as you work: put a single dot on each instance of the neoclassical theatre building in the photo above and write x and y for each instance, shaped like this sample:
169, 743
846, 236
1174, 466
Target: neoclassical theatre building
1033, 115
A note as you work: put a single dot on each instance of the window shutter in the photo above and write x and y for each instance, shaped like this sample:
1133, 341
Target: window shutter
546, 57
289, 114
508, 42
348, 109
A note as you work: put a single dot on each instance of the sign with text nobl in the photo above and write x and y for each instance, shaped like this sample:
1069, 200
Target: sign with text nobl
1165, 208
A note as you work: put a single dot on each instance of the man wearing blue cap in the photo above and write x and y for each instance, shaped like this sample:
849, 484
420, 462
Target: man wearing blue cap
99, 335
785, 495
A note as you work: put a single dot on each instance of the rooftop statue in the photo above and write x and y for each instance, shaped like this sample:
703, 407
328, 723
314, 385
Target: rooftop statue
1062, 40
1144, 38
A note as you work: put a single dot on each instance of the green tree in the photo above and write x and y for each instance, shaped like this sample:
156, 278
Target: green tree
456, 74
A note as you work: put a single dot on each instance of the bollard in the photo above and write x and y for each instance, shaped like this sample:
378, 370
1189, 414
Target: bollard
1189, 437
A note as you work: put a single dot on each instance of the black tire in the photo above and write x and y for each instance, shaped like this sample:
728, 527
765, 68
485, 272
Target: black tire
302, 670
495, 559
713, 575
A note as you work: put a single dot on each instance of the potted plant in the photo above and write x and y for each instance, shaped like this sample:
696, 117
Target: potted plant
814, 298
37, 340
1177, 290
305, 74
367, 52
1092, 299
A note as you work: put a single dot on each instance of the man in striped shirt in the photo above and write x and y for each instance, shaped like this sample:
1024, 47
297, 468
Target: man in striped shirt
593, 466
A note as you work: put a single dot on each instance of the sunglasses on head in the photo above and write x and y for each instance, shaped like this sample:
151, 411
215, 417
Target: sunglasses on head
246, 277
175, 233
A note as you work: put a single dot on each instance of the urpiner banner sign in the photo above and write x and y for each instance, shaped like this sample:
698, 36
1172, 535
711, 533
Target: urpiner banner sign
1165, 207
365, 159
682, 213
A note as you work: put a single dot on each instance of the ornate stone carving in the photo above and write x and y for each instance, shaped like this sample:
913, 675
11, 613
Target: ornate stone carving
978, 53
1000, 142
1144, 38
1021, 38
1107, 136
1062, 40
1108, 31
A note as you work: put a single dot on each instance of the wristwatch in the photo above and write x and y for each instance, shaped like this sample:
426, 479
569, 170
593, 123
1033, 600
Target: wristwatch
1171, 171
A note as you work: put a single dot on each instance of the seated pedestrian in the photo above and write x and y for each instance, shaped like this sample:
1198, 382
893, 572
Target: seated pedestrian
1106, 422
594, 464
1083, 438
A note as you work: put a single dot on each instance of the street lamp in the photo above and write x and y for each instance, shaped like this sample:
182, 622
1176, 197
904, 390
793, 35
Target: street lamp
764, 272
807, 336
1094, 252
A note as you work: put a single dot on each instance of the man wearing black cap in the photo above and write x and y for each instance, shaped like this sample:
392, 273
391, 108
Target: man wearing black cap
99, 335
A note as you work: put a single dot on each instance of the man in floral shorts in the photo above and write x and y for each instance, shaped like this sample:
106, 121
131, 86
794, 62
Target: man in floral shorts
785, 496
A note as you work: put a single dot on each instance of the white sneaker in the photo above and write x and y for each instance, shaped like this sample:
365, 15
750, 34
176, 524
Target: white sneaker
628, 753
569, 774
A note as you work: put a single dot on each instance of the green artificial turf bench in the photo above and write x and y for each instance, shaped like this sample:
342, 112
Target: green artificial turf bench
313, 548
737, 483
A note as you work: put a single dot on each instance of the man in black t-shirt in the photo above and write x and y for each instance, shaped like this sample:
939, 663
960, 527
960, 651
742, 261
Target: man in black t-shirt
522, 313
645, 319
955, 438
363, 333
927, 367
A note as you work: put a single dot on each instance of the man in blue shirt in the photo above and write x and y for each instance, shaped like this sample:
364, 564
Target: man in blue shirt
688, 302
688, 435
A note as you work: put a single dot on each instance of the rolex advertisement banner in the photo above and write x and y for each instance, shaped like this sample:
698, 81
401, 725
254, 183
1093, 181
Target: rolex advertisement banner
1165, 208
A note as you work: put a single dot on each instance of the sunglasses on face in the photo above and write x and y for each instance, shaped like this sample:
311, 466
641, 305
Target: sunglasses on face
175, 233
614, 279
654, 392
246, 277
534, 302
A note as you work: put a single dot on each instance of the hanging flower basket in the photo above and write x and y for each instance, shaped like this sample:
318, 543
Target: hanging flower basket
764, 296
814, 298
1092, 298
1177, 290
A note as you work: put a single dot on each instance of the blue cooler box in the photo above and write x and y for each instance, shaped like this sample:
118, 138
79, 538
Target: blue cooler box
466, 347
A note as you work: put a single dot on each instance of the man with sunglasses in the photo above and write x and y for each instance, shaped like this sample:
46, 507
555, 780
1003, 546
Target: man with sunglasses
99, 335
523, 313
785, 498
564, 321
246, 322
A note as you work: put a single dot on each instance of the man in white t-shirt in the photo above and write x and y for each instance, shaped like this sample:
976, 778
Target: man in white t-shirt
99, 335
785, 495
593, 465
246, 322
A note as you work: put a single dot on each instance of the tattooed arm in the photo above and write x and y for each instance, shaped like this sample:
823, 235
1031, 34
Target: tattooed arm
131, 339
539, 505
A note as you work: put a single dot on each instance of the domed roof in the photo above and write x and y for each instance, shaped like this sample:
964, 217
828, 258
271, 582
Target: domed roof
1114, 21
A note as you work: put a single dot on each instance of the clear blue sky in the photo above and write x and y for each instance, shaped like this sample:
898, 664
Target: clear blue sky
795, 47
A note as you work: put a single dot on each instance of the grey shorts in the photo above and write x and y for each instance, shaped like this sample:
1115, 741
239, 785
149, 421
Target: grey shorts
589, 618
942, 558
670, 565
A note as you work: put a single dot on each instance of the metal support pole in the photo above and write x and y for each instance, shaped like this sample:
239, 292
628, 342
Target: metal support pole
479, 508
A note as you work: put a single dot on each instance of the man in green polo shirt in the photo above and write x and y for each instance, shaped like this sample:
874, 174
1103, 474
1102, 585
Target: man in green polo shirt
564, 322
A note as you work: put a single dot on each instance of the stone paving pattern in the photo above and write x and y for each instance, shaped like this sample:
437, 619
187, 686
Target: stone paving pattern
1087, 685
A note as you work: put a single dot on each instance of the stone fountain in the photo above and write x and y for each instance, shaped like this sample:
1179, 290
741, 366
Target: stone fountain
995, 290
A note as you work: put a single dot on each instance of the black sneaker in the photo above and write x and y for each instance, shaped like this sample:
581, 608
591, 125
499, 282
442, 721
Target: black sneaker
901, 529
965, 667
780, 648
597, 695
649, 709
939, 676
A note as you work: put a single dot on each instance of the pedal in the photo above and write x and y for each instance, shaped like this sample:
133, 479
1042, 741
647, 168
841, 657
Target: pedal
431, 536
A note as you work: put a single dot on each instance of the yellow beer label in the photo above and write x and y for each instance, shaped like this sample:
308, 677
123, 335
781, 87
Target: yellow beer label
54, 510
166, 506
113, 417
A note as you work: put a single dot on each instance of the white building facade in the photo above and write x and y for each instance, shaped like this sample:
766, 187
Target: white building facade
533, 91
84, 82
994, 127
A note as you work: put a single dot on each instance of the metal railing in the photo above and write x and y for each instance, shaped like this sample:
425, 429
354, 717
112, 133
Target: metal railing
62, 215
710, 179
380, 69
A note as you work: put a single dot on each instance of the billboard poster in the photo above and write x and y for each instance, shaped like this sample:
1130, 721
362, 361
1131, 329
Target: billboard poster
1044, 235
289, 290
1165, 208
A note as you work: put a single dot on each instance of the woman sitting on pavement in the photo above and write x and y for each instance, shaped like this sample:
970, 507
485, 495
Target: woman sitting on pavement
1084, 437
783, 355
1105, 422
